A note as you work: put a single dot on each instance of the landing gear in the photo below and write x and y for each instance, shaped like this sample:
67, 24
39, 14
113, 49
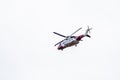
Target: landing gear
76, 45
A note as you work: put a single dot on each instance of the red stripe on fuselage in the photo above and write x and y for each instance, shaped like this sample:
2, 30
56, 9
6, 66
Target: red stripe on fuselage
71, 44
78, 38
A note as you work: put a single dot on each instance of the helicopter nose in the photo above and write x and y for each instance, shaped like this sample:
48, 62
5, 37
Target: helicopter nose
60, 47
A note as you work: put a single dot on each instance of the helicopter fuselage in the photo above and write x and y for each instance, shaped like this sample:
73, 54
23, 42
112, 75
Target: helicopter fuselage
70, 42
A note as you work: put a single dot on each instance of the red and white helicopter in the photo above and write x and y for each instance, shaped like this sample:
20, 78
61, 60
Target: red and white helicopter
71, 40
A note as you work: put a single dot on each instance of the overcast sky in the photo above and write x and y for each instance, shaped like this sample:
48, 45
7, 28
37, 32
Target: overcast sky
27, 49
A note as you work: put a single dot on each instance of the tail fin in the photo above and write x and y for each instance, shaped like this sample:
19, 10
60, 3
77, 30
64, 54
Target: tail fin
88, 36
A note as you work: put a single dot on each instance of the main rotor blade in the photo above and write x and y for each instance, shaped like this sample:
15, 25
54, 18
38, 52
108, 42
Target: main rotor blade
59, 42
59, 34
75, 31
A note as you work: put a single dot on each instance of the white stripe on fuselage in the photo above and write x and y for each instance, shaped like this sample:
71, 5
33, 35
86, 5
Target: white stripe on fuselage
69, 42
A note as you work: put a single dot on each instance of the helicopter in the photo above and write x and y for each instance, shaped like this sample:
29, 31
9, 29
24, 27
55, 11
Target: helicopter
71, 40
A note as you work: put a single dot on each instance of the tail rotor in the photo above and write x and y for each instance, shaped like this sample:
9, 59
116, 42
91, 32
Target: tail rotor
88, 31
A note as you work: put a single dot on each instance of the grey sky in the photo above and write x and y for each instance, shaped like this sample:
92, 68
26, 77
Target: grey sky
27, 49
